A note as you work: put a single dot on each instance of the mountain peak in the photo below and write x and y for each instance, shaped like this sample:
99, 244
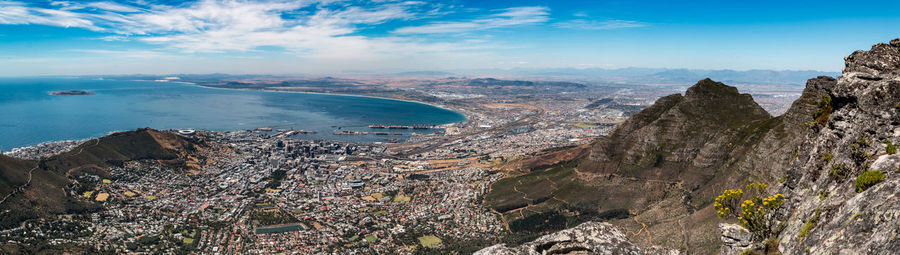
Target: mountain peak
883, 59
709, 88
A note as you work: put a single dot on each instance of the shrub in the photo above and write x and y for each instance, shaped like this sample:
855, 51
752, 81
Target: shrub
821, 115
810, 223
823, 195
867, 179
863, 141
891, 148
753, 209
837, 172
828, 157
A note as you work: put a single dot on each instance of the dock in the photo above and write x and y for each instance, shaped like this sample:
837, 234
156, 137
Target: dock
401, 126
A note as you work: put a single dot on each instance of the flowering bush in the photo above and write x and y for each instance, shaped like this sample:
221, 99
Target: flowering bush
753, 209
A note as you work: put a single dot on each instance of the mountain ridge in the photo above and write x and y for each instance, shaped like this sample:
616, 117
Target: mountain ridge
46, 193
667, 153
692, 157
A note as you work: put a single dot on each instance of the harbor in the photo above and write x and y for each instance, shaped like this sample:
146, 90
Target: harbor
401, 127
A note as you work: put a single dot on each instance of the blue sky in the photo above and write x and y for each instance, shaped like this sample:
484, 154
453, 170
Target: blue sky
326, 37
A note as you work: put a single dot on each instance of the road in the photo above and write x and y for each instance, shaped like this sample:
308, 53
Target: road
21, 188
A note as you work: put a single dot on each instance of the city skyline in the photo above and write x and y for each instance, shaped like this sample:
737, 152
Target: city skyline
333, 37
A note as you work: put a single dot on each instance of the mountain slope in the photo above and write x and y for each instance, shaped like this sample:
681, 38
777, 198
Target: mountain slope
46, 194
667, 163
10, 179
664, 163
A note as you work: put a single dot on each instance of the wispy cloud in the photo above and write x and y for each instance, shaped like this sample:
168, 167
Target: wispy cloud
314, 32
111, 6
322, 28
17, 13
505, 18
586, 24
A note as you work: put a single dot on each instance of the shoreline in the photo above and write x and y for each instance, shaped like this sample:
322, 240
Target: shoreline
466, 118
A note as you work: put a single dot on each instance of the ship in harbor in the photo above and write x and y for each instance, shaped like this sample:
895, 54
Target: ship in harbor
401, 126
348, 132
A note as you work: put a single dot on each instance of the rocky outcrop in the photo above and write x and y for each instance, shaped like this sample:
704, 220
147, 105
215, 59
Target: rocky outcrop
735, 239
587, 238
828, 215
838, 129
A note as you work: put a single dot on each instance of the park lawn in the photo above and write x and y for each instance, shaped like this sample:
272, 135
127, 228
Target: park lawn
429, 241
102, 197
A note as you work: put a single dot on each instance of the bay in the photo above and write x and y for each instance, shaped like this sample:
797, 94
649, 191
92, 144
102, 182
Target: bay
29, 114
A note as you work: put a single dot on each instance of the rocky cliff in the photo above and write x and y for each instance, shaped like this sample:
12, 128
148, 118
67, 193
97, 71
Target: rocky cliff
667, 163
834, 209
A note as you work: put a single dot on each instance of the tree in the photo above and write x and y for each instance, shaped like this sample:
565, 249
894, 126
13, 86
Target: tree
753, 209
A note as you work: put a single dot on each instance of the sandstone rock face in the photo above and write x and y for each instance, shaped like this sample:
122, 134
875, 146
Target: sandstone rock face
853, 139
587, 238
735, 239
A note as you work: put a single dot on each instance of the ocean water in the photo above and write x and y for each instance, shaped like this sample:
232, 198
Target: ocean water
29, 114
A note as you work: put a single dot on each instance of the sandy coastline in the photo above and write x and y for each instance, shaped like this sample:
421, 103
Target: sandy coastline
320, 93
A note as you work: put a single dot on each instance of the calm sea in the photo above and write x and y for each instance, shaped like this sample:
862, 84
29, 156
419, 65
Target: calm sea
30, 115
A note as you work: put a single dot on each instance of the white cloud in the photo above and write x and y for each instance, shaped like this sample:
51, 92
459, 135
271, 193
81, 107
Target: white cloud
111, 6
225, 25
216, 26
508, 17
16, 13
586, 24
312, 31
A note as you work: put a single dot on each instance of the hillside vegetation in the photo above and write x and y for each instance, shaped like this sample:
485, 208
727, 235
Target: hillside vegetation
48, 193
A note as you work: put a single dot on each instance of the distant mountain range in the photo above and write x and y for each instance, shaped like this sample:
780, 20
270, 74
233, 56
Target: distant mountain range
631, 75
664, 76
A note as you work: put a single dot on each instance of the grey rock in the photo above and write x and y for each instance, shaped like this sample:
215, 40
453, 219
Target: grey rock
877, 63
735, 239
587, 238
887, 162
866, 102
